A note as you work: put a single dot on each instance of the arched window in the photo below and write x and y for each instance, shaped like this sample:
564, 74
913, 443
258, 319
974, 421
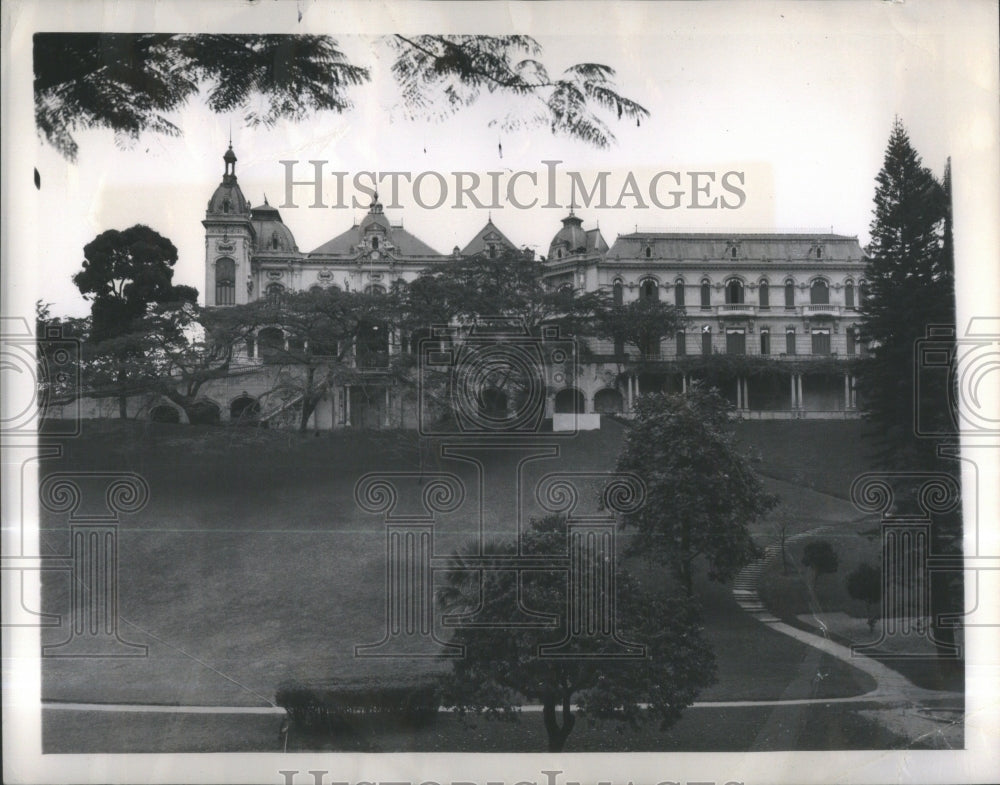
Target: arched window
790, 340
706, 340
765, 341
679, 294
375, 243
649, 252
734, 292
732, 252
275, 291
649, 291
617, 293
706, 295
849, 294
736, 340
316, 289
819, 292
852, 339
764, 295
375, 289
274, 240
681, 343
821, 341
225, 282
225, 205
789, 295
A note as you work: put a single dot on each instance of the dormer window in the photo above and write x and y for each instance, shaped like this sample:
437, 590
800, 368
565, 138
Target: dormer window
274, 240
732, 252
819, 252
493, 251
375, 243
559, 254
225, 205
649, 252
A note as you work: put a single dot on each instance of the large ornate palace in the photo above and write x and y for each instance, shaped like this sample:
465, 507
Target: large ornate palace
772, 318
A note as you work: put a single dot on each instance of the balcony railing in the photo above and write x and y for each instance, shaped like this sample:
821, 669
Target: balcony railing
736, 309
825, 308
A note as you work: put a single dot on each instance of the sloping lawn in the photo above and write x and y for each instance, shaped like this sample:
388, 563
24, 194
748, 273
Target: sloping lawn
252, 565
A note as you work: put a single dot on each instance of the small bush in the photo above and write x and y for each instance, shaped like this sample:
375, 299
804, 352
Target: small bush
333, 709
820, 557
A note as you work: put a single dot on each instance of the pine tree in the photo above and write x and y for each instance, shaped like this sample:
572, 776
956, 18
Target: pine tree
911, 284
910, 287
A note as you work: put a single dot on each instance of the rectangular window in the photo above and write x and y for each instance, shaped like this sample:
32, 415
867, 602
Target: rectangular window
681, 343
851, 347
789, 341
765, 342
821, 342
736, 342
706, 342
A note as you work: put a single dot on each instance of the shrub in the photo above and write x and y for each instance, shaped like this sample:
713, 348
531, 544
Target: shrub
820, 557
864, 583
329, 709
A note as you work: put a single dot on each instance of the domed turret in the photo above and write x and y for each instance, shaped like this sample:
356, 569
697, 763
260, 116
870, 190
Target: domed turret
270, 230
228, 199
570, 239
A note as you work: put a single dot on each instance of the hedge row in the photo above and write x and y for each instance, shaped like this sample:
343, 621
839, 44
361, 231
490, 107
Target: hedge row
338, 708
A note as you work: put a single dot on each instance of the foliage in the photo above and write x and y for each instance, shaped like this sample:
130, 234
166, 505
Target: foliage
864, 583
328, 709
911, 286
131, 83
701, 493
506, 298
324, 332
123, 273
820, 557
501, 667
641, 323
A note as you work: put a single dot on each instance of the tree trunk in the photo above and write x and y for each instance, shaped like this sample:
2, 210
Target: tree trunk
557, 734
122, 397
687, 579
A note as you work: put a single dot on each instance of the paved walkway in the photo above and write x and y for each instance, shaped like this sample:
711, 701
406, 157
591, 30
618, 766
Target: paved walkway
891, 686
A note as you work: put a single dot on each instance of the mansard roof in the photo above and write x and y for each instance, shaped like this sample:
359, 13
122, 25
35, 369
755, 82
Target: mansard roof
718, 246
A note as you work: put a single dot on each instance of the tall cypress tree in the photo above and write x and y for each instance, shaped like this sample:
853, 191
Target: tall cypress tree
910, 287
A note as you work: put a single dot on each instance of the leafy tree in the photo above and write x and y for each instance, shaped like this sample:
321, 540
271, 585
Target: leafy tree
125, 273
130, 83
641, 324
701, 493
864, 583
821, 558
506, 297
910, 278
501, 667
329, 337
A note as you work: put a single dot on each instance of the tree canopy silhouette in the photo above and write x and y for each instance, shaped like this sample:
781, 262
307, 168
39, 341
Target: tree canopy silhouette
129, 83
